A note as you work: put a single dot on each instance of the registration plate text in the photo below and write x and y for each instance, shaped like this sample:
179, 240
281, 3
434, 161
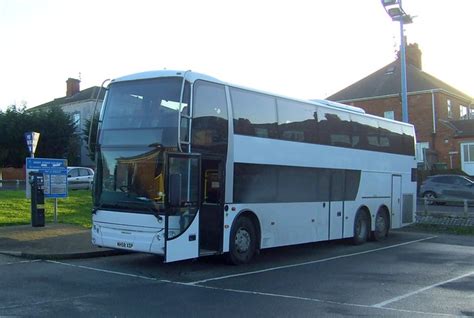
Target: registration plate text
124, 244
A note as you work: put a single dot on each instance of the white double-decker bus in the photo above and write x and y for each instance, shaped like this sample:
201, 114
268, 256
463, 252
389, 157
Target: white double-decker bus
188, 166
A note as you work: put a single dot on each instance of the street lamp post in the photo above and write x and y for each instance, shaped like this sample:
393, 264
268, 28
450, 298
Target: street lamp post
395, 11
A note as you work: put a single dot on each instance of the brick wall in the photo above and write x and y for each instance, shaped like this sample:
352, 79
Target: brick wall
420, 114
13, 173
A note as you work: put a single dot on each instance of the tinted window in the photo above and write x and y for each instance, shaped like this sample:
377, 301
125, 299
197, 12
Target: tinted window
408, 139
337, 185
297, 121
209, 128
365, 132
269, 183
292, 187
335, 128
442, 179
254, 113
143, 112
254, 183
390, 138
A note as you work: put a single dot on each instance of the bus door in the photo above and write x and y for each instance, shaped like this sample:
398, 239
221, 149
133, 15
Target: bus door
211, 213
396, 201
182, 206
336, 205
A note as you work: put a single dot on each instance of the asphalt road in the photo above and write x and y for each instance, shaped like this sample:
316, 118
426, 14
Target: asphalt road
408, 275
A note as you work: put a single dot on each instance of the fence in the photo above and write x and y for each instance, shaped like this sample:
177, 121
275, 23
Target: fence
465, 203
12, 184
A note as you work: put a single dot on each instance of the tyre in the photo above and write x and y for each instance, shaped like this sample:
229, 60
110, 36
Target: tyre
361, 228
430, 197
243, 242
382, 226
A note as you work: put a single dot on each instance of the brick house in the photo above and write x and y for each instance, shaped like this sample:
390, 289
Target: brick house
442, 115
80, 105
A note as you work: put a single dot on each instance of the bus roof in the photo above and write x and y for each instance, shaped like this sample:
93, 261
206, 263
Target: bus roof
194, 76
191, 76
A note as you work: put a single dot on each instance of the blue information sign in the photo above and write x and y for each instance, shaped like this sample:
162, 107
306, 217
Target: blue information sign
55, 175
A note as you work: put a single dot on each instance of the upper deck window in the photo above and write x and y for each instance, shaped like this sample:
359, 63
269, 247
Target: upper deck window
143, 112
254, 113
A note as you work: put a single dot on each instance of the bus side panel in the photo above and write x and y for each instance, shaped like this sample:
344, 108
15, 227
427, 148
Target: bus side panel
375, 191
284, 223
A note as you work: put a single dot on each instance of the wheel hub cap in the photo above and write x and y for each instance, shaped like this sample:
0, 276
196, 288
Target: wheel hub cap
242, 240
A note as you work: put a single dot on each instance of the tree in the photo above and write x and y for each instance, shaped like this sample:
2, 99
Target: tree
13, 125
90, 129
58, 137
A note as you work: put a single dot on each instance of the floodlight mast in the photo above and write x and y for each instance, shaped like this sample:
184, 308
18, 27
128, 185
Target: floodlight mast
395, 11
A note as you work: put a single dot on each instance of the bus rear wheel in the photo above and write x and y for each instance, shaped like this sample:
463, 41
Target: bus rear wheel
382, 226
361, 227
243, 242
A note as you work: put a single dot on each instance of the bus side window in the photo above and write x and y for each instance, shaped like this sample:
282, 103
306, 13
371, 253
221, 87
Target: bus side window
209, 129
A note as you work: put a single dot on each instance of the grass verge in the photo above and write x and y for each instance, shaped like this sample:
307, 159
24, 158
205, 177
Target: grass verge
75, 209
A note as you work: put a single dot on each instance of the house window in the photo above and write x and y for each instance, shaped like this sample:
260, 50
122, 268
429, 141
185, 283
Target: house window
390, 114
450, 108
463, 112
468, 152
420, 150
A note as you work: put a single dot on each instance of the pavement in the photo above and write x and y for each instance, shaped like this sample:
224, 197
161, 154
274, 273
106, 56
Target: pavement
66, 241
53, 241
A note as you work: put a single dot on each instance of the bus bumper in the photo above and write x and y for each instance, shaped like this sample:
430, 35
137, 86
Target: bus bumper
131, 239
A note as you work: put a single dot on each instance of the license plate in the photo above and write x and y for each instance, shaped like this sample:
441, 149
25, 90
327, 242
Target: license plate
124, 244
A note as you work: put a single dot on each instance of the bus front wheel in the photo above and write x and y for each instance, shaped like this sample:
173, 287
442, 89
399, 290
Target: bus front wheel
361, 227
243, 241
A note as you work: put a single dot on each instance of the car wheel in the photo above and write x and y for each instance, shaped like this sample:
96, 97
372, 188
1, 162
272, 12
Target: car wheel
430, 197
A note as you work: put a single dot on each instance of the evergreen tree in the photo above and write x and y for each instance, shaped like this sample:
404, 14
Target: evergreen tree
90, 129
58, 135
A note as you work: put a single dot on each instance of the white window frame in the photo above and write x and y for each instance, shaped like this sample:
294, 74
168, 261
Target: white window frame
420, 153
463, 112
450, 108
390, 114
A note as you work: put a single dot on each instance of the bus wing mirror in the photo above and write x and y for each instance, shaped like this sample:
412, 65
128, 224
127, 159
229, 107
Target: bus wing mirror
175, 190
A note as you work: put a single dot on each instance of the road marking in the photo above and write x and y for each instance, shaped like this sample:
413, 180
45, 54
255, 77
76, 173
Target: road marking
309, 263
21, 262
44, 302
330, 302
111, 272
384, 303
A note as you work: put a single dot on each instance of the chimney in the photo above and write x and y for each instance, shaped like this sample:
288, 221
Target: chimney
413, 54
72, 86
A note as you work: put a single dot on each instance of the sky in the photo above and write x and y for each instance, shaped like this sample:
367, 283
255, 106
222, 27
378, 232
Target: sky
304, 49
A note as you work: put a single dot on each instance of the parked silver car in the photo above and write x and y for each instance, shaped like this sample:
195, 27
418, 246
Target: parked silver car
80, 178
447, 187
